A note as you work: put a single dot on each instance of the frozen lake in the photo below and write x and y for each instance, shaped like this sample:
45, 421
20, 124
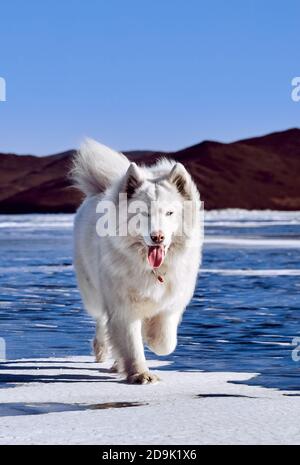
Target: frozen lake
244, 315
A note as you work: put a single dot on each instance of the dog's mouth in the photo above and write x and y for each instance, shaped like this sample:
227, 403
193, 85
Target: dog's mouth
156, 255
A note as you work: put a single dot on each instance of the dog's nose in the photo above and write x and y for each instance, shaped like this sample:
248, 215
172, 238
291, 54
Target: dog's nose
157, 237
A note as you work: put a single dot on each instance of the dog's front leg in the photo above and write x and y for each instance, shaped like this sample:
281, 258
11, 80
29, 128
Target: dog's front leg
126, 338
160, 332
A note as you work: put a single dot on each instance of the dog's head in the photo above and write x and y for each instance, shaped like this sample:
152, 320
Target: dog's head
161, 203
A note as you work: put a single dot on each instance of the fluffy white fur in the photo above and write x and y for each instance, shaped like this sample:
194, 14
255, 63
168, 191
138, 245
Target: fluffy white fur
118, 286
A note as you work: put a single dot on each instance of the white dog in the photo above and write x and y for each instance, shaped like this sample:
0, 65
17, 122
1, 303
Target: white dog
137, 283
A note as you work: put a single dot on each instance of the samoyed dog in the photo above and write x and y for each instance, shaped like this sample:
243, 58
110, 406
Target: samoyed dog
137, 250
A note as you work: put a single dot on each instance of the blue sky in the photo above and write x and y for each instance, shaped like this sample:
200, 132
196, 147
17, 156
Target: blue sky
145, 74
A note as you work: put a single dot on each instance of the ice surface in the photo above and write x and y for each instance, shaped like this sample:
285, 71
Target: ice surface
76, 401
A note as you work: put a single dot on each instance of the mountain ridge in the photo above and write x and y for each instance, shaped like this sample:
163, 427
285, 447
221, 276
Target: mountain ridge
254, 173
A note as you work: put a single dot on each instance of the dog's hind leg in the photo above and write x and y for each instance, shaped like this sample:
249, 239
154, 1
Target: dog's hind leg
118, 366
100, 343
94, 306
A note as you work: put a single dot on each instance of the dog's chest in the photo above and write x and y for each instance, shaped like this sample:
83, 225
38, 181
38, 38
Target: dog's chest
152, 295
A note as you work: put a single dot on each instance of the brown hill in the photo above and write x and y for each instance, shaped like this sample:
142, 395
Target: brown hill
258, 173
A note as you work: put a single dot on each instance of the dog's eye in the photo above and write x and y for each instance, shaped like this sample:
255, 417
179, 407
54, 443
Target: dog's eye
146, 214
169, 213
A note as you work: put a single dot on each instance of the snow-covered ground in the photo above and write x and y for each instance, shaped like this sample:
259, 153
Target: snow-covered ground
76, 401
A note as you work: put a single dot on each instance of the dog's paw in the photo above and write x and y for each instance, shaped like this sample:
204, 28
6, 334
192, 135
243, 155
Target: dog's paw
116, 367
143, 378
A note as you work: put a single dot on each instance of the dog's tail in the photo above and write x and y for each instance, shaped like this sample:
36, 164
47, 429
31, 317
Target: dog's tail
96, 166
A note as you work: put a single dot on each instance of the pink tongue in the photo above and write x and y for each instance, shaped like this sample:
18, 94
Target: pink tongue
156, 256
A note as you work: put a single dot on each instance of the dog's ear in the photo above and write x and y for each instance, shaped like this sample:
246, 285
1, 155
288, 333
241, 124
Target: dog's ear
181, 178
133, 180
